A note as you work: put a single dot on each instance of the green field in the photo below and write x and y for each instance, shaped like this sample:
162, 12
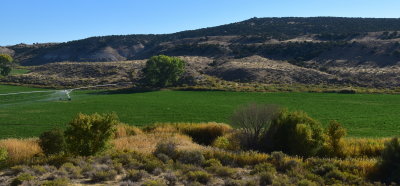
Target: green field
364, 115
18, 71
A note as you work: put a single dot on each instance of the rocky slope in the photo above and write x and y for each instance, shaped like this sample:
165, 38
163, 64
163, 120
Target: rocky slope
319, 50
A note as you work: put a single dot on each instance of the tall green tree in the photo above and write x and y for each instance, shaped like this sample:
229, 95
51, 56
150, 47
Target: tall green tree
163, 71
6, 63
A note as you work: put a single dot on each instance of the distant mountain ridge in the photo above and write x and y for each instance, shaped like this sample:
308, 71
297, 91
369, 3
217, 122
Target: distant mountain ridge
295, 39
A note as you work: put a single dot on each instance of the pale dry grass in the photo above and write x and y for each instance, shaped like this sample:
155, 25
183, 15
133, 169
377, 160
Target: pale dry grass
147, 142
124, 130
185, 127
20, 150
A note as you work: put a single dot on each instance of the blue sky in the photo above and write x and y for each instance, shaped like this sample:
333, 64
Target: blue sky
29, 21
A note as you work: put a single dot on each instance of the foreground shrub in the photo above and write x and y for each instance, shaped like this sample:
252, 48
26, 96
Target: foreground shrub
104, 175
335, 143
124, 130
152, 182
263, 167
266, 178
20, 150
389, 165
136, 175
222, 171
21, 178
204, 134
52, 142
364, 147
228, 142
294, 133
191, 157
57, 182
243, 158
198, 176
3, 155
167, 148
212, 163
73, 171
254, 120
89, 134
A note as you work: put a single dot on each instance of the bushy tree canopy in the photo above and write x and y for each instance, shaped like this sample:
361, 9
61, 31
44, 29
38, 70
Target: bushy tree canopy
163, 71
6, 62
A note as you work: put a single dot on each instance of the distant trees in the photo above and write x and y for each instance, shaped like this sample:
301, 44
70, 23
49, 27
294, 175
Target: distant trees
6, 63
163, 71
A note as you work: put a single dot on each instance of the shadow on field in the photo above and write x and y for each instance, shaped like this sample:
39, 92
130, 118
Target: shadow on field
125, 91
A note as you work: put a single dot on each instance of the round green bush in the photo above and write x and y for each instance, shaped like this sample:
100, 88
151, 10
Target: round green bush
52, 142
294, 133
90, 134
3, 154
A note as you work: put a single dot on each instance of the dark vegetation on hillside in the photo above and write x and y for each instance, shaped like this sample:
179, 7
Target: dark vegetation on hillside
197, 42
357, 52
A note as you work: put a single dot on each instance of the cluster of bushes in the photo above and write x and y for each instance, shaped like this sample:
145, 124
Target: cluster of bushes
85, 135
272, 146
268, 128
295, 52
169, 166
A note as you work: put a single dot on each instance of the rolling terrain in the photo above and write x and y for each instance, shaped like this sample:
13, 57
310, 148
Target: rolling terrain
362, 52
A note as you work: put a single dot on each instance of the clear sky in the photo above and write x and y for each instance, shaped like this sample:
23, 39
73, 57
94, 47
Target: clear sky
29, 21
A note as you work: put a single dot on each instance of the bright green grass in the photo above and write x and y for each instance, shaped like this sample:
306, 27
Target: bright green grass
18, 71
364, 115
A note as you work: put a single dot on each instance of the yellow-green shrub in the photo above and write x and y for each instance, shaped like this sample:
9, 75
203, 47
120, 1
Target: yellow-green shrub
89, 134
242, 158
364, 147
228, 142
3, 155
335, 143
294, 133
21, 178
204, 133
199, 176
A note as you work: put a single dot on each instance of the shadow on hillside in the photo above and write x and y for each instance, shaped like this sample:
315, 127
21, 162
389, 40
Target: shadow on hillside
143, 90
125, 91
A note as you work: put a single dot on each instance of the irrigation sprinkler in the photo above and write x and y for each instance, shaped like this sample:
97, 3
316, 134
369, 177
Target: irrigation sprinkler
63, 93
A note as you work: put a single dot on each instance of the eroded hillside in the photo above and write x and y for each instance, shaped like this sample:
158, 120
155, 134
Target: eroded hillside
253, 69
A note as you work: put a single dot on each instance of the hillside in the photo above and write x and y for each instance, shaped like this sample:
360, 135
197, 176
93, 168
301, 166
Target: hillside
318, 50
269, 37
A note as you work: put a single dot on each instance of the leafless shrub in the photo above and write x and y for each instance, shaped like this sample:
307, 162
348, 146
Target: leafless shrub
254, 119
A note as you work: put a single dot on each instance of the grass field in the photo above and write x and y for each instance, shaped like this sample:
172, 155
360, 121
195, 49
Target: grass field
364, 115
18, 71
